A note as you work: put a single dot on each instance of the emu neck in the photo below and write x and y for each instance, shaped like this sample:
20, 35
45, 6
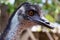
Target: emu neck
23, 26
15, 31
13, 27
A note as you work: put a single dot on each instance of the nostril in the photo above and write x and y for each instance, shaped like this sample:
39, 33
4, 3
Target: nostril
42, 20
47, 23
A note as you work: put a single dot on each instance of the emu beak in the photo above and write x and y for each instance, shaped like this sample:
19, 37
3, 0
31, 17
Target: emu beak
41, 21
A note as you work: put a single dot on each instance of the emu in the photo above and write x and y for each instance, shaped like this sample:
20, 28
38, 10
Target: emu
25, 16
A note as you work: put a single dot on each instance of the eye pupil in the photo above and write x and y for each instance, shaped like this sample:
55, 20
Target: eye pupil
31, 13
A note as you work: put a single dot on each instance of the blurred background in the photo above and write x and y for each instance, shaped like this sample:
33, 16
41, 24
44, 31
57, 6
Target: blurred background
50, 8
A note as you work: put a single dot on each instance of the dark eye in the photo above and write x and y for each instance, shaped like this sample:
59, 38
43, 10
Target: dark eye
31, 13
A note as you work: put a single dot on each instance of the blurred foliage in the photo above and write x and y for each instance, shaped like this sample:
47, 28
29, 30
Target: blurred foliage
10, 8
50, 18
34, 1
53, 8
17, 3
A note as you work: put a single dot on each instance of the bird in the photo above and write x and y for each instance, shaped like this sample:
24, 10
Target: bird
25, 16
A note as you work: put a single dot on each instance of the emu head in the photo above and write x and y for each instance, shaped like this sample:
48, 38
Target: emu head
33, 13
26, 11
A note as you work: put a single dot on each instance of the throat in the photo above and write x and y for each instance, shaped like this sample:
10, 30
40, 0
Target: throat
27, 24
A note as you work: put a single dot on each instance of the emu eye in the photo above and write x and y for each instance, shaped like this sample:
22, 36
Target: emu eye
31, 13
